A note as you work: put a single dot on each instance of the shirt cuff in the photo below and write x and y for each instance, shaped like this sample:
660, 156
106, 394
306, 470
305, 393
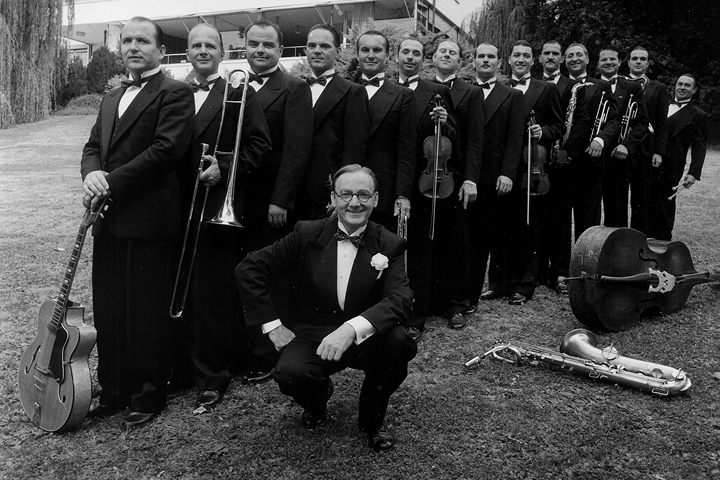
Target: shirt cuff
470, 182
600, 141
270, 326
363, 328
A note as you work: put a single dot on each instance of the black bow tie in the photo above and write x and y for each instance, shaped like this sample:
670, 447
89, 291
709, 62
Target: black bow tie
357, 240
484, 85
322, 80
408, 82
202, 86
447, 83
522, 81
258, 78
679, 103
612, 81
135, 82
549, 78
375, 82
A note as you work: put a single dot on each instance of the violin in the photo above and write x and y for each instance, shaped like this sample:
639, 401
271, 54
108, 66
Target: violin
617, 275
436, 181
534, 181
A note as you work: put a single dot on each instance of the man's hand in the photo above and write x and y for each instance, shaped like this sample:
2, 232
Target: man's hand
334, 345
441, 113
91, 202
402, 207
656, 160
688, 181
594, 149
561, 158
277, 216
620, 152
95, 184
210, 176
535, 131
467, 194
281, 336
503, 185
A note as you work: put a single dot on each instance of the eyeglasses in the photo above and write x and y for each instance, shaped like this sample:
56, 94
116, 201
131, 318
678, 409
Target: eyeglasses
363, 197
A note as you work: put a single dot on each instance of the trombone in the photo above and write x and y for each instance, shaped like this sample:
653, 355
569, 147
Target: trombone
226, 213
630, 113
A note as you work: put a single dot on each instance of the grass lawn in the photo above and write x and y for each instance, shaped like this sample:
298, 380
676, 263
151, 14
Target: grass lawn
496, 421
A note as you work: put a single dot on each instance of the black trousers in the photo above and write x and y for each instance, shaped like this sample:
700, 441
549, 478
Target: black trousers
615, 184
384, 358
524, 242
586, 179
556, 227
662, 211
132, 287
641, 176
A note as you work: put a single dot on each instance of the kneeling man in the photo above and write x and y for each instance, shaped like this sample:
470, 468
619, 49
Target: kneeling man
351, 298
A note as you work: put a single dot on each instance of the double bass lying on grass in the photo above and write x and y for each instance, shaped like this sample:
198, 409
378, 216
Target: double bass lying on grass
616, 274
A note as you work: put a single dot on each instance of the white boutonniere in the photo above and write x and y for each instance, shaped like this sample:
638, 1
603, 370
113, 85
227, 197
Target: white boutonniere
379, 262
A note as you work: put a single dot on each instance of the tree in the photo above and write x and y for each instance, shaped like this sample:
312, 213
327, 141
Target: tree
76, 81
100, 69
30, 34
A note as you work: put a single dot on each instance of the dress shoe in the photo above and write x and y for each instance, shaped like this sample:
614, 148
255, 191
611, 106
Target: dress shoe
490, 295
98, 409
209, 398
311, 422
470, 310
382, 439
561, 286
517, 299
255, 376
456, 321
414, 333
137, 419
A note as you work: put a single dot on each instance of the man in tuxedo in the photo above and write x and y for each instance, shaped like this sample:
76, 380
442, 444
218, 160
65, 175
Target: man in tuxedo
218, 342
465, 163
628, 141
138, 141
502, 150
425, 269
541, 100
556, 222
341, 125
352, 298
687, 128
391, 153
287, 104
652, 150
586, 172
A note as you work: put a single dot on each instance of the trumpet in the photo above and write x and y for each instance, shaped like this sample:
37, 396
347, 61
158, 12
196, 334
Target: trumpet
578, 354
600, 117
630, 113
226, 213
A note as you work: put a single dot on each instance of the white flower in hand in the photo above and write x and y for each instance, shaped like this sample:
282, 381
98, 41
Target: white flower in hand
379, 262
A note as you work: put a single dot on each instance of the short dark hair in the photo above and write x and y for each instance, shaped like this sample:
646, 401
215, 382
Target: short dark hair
329, 28
266, 24
415, 39
158, 31
448, 39
374, 32
578, 45
640, 47
610, 48
521, 43
211, 26
551, 42
695, 84
354, 167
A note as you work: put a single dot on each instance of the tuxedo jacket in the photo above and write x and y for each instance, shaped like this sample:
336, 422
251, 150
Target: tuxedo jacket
424, 95
580, 129
656, 101
468, 104
503, 135
543, 99
625, 92
602, 91
341, 128
255, 146
308, 257
391, 153
687, 128
286, 102
141, 153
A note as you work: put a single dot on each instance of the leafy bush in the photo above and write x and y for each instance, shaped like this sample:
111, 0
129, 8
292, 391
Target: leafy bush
76, 81
102, 67
84, 105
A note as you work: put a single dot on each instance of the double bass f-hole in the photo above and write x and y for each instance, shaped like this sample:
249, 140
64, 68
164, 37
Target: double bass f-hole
641, 256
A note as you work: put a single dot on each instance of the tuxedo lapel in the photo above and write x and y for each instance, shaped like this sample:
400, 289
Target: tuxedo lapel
363, 274
332, 94
681, 118
493, 102
143, 99
533, 93
322, 257
210, 108
423, 95
458, 91
380, 105
620, 92
109, 114
271, 90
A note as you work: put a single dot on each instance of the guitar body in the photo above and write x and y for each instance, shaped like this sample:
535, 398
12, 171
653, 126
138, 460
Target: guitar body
54, 376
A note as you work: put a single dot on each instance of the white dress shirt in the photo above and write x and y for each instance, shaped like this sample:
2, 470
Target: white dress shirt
411, 86
491, 83
202, 95
257, 85
673, 108
317, 89
372, 89
132, 91
522, 88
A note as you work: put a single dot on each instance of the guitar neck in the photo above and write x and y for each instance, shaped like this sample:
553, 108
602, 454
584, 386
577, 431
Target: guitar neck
62, 299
